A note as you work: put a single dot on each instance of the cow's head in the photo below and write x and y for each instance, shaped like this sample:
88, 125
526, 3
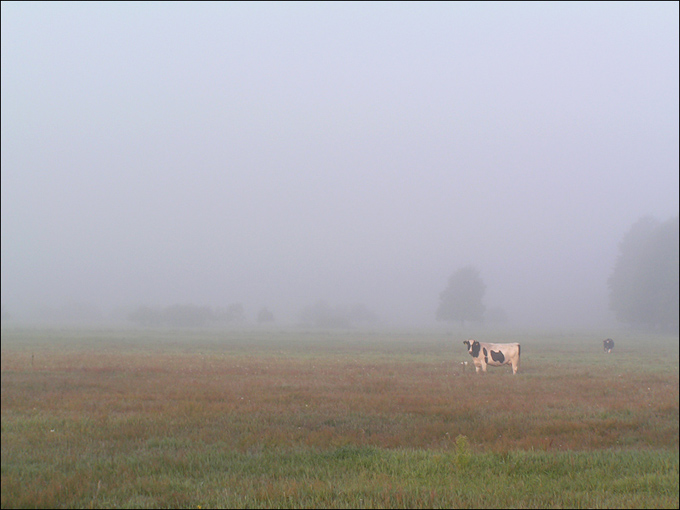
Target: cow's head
472, 347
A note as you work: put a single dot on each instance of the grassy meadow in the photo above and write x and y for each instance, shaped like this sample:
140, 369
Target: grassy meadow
353, 419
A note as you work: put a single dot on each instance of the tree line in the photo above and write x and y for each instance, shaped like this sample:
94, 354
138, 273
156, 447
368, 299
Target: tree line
643, 287
191, 316
319, 314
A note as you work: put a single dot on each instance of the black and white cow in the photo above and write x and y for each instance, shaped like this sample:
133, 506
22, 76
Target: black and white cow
608, 345
484, 354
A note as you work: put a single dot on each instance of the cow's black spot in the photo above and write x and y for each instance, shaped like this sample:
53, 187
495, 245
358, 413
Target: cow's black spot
486, 355
497, 356
475, 349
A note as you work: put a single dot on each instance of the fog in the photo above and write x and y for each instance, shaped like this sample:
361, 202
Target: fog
278, 154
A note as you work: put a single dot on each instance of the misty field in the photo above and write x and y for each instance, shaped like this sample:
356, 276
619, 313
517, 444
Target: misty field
127, 419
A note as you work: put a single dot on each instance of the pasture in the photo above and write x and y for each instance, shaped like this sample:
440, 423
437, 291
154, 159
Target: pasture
352, 419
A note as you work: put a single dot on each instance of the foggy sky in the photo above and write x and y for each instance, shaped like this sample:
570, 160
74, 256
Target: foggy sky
276, 154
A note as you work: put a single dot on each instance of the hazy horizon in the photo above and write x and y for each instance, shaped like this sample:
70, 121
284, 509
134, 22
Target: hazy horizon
278, 154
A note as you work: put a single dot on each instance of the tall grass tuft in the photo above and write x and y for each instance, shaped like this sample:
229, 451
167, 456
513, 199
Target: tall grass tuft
463, 454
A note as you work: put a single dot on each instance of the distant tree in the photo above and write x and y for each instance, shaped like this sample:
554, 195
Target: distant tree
146, 316
462, 298
359, 313
644, 286
5, 314
232, 313
187, 316
264, 315
321, 315
495, 316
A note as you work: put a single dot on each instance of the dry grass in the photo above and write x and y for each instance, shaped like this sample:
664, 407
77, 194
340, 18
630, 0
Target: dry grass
325, 396
69, 396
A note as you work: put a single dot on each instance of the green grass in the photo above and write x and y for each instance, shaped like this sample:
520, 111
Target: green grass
149, 419
171, 474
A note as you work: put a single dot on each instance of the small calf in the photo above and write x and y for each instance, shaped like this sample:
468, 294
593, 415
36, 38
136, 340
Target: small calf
608, 345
